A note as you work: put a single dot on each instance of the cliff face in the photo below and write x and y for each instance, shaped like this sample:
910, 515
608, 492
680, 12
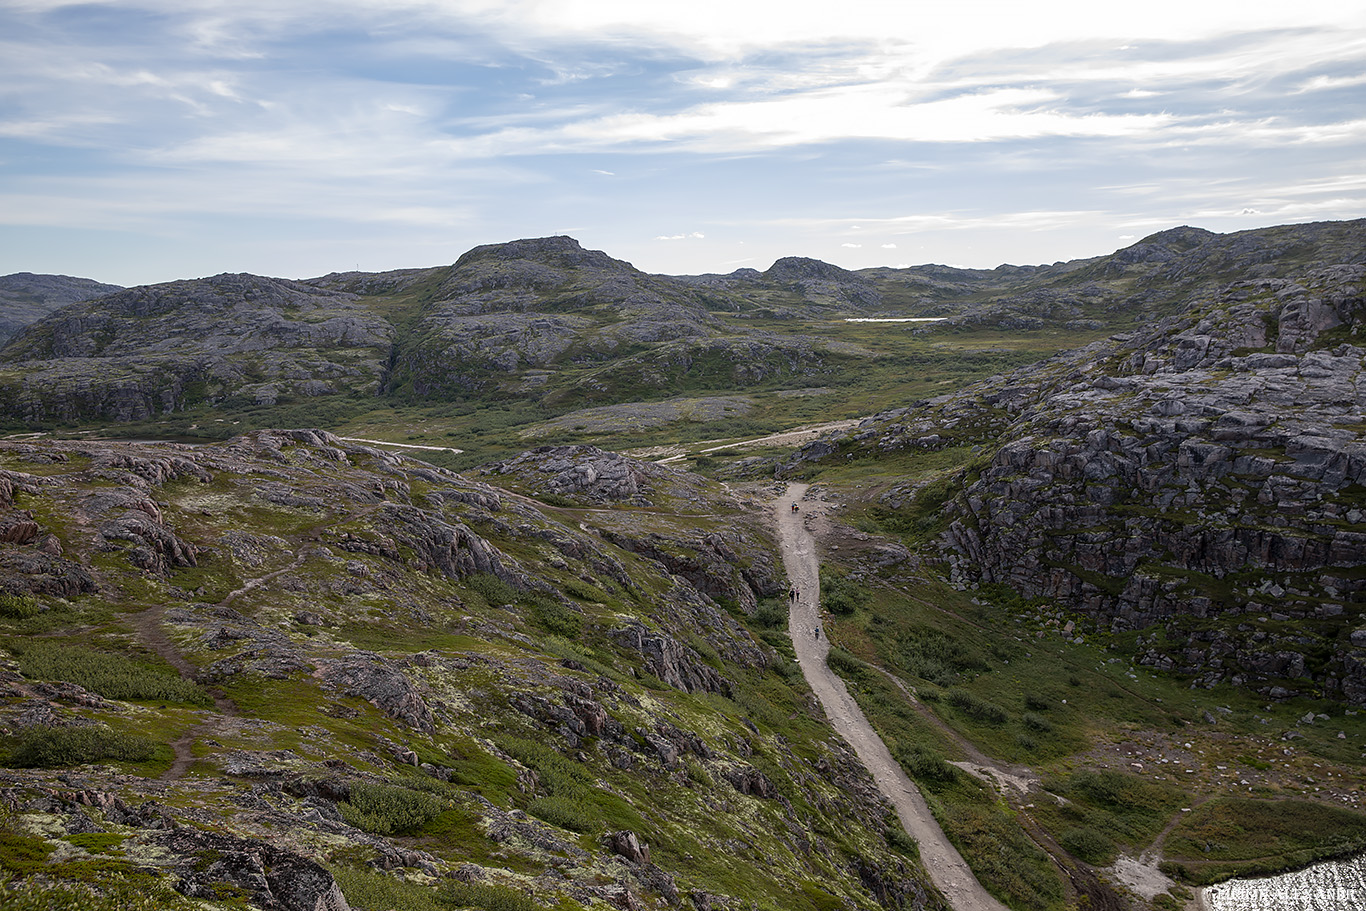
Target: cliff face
286, 670
1203, 480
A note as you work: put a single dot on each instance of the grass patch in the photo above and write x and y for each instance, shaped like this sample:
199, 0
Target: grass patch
571, 797
1125, 809
1000, 853
1241, 837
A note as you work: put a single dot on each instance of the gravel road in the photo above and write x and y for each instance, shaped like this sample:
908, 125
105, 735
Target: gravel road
945, 865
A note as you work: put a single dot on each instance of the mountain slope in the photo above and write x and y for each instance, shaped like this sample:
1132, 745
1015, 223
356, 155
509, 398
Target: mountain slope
1200, 481
160, 348
26, 297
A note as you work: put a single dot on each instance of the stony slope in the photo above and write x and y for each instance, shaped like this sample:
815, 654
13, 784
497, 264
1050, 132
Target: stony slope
160, 348
26, 297
1202, 481
306, 675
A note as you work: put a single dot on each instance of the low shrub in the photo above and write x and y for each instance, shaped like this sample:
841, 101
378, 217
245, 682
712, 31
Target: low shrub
841, 595
565, 812
935, 657
111, 893
1036, 722
371, 890
18, 607
926, 765
585, 591
1003, 856
771, 614
56, 748
1090, 845
554, 616
487, 897
844, 663
388, 809
492, 589
23, 854
110, 675
977, 708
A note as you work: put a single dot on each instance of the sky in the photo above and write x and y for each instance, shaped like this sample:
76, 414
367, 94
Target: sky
149, 140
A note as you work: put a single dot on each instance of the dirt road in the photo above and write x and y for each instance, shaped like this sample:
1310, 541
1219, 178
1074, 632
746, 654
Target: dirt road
945, 865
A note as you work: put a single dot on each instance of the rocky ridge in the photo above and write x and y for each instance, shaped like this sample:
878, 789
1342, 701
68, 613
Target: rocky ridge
1201, 481
551, 322
232, 338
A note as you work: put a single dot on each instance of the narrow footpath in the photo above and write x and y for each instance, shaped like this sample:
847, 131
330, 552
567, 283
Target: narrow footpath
946, 867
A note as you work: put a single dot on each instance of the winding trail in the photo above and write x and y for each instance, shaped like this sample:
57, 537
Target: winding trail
946, 867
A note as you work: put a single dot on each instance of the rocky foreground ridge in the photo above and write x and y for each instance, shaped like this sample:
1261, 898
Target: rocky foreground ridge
1202, 481
300, 674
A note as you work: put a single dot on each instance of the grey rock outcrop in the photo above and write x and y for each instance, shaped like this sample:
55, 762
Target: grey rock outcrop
160, 348
26, 298
1208, 470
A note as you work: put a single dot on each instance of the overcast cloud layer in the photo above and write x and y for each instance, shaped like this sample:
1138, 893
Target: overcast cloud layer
147, 140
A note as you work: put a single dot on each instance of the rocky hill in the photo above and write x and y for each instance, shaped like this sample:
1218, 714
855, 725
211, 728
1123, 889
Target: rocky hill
302, 674
543, 320
161, 348
1202, 480
26, 297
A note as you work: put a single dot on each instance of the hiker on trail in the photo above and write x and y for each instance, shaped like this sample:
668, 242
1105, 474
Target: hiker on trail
794, 507
815, 632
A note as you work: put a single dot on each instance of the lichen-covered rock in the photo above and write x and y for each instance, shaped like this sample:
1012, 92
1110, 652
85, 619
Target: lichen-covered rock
671, 661
277, 880
382, 684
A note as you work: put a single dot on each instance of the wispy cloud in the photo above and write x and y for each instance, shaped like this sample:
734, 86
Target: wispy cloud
458, 117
